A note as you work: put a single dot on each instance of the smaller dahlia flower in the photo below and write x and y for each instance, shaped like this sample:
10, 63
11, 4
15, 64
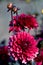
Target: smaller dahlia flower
28, 21
39, 59
22, 46
23, 21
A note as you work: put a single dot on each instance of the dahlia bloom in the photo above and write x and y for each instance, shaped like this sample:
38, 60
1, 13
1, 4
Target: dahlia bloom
39, 59
22, 46
23, 21
28, 21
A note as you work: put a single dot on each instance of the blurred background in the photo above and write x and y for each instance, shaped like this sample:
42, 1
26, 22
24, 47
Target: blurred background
26, 6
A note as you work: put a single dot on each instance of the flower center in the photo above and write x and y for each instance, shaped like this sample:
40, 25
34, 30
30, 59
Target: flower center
24, 45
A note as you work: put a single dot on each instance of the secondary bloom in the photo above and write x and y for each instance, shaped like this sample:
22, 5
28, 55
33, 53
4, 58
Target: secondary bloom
39, 59
28, 21
22, 21
23, 46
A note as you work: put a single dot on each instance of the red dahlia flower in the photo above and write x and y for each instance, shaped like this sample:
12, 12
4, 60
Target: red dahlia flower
27, 20
23, 46
23, 21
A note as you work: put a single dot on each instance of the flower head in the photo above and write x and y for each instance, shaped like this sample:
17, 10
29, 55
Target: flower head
23, 47
28, 21
22, 21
